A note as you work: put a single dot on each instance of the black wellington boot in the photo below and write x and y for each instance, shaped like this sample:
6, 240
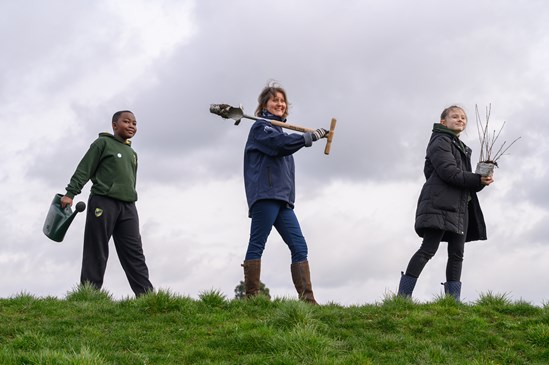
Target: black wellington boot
407, 285
453, 288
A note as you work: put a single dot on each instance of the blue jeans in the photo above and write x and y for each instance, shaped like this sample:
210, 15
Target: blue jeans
268, 213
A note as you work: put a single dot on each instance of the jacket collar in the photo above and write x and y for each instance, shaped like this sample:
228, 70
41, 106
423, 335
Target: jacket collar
110, 135
440, 128
265, 114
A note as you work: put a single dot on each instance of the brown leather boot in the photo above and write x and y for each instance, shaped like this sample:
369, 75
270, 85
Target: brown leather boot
252, 271
301, 277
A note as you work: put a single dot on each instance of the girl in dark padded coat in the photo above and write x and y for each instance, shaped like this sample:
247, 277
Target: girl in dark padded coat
448, 208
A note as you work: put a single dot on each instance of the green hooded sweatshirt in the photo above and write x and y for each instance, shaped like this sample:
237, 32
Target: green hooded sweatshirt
111, 165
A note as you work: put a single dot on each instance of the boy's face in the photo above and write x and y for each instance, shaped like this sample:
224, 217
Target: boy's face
126, 126
456, 120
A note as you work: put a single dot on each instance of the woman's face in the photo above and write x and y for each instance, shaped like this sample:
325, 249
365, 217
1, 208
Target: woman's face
456, 120
276, 105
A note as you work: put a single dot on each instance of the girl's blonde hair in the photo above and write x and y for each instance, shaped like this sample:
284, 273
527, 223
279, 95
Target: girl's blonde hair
450, 108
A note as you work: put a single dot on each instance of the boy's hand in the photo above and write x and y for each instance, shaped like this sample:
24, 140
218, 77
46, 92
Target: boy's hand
319, 133
65, 200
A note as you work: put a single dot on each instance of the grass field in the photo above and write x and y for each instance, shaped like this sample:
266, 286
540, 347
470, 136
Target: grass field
89, 327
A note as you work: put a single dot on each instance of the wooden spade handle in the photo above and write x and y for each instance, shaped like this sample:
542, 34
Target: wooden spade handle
289, 126
330, 137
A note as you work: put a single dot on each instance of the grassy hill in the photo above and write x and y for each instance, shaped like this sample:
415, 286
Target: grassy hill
89, 327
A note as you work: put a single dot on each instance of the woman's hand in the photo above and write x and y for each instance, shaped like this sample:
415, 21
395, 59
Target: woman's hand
486, 180
319, 133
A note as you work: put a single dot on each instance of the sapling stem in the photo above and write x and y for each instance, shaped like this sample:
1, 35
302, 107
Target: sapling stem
488, 140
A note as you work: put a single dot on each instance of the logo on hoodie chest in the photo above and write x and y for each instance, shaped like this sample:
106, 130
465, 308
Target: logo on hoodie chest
123, 157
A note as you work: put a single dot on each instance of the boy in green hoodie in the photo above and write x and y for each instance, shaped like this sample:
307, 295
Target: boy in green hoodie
111, 165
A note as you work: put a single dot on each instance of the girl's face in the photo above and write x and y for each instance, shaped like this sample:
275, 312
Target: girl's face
277, 105
456, 120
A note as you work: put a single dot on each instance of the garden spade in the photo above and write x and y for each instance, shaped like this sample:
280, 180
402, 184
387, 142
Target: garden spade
230, 112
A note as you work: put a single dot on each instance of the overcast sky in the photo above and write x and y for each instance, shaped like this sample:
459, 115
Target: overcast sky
384, 69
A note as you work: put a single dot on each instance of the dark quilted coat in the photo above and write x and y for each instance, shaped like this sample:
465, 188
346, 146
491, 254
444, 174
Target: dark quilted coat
450, 188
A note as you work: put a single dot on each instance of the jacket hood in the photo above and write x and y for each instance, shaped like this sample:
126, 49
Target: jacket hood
110, 135
441, 128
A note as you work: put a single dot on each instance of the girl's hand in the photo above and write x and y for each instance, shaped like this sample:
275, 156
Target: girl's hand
486, 180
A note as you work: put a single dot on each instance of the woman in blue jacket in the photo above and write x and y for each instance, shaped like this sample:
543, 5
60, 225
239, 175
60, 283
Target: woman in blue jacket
448, 208
269, 177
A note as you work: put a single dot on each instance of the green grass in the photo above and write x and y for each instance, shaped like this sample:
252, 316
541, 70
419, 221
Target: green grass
90, 327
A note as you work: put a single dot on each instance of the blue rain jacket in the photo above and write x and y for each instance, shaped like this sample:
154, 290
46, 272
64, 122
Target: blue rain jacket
269, 170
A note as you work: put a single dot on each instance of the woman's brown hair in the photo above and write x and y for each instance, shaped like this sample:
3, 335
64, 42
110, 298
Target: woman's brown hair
268, 92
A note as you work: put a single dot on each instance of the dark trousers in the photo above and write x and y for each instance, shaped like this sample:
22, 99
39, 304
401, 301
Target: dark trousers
108, 217
431, 241
268, 213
